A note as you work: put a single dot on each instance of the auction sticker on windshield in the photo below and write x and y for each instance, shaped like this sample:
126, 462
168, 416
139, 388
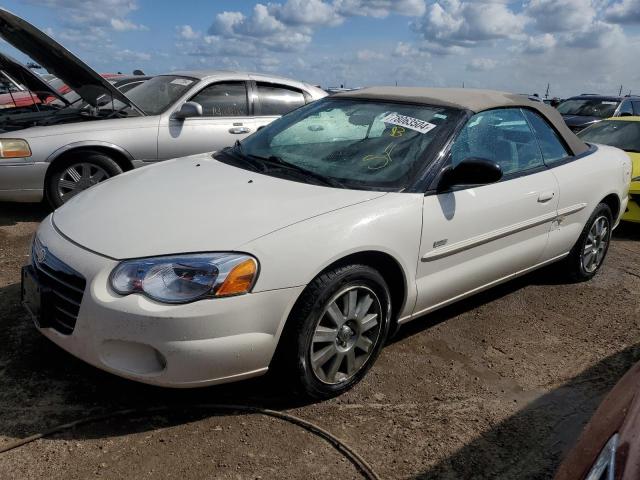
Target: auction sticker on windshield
412, 123
182, 81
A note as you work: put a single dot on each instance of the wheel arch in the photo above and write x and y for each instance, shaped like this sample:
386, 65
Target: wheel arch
613, 201
390, 269
120, 155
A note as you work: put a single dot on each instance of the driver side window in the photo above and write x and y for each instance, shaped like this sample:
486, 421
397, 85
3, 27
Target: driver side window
223, 100
501, 135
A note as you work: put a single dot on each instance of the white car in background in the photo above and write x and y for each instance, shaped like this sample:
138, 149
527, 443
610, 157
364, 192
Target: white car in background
305, 245
68, 147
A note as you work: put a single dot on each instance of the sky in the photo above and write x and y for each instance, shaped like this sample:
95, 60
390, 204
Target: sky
575, 46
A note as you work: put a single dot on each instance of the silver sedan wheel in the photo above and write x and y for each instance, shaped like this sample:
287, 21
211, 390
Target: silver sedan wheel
596, 244
346, 334
79, 177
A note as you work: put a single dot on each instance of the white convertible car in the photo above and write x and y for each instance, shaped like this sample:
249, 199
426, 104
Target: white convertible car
307, 243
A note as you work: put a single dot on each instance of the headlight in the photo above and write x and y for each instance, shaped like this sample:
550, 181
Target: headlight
14, 148
186, 278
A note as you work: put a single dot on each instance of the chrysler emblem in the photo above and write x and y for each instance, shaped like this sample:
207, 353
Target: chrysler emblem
41, 254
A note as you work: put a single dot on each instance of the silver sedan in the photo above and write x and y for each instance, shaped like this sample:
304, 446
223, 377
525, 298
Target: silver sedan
64, 148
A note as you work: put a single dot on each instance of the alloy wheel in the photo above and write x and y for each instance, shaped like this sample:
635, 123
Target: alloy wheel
346, 334
595, 245
79, 177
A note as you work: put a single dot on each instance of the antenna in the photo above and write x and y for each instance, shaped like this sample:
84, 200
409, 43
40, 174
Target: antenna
546, 95
620, 92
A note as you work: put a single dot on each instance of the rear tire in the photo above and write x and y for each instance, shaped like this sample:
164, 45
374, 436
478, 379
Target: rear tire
77, 172
589, 252
335, 331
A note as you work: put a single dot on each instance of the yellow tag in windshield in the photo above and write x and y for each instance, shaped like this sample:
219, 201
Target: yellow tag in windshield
397, 131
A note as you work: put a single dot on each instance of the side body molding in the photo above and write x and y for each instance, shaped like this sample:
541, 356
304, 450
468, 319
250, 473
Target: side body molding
473, 242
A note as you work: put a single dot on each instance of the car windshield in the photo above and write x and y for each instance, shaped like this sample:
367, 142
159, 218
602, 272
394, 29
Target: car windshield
617, 133
153, 96
158, 93
588, 107
351, 143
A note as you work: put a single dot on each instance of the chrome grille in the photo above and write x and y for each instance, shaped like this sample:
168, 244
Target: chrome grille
64, 286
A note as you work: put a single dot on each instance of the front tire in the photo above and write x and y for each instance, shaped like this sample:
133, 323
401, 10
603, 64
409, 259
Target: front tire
336, 330
77, 172
589, 252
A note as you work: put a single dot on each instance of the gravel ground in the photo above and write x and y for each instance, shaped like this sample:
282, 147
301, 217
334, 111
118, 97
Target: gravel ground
497, 386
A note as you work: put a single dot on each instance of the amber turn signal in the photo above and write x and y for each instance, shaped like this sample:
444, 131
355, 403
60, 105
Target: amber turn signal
239, 280
14, 148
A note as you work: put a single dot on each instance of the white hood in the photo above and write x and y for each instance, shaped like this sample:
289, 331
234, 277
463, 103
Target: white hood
192, 204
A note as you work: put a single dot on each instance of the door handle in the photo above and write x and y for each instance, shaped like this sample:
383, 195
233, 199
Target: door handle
238, 130
545, 196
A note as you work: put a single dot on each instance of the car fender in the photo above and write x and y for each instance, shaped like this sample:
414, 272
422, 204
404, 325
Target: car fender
295, 255
87, 144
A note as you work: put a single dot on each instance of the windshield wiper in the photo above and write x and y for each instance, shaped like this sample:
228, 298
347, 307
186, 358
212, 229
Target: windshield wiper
278, 162
67, 106
115, 112
236, 153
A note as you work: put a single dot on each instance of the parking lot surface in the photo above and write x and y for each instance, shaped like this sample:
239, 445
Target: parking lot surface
498, 386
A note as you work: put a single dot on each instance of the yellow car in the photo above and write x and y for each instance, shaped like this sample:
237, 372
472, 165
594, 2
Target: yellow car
624, 133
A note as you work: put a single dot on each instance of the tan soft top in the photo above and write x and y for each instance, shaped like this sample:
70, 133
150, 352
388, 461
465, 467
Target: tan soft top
470, 99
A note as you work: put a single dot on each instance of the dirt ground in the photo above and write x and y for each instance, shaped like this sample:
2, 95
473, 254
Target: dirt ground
497, 386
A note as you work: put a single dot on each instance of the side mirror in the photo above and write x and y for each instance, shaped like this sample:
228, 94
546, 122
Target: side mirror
626, 114
471, 171
188, 109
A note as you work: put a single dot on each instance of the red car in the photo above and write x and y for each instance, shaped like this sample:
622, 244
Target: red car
37, 91
609, 446
26, 98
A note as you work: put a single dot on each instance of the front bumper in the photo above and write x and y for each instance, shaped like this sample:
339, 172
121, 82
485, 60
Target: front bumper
197, 344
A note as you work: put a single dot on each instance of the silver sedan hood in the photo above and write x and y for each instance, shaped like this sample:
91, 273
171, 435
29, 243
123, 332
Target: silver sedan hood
56, 59
192, 204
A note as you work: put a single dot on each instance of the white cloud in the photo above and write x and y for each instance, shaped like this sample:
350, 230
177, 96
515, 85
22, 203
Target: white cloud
124, 25
560, 15
290, 25
369, 55
306, 12
403, 49
240, 34
599, 35
380, 8
127, 55
226, 22
539, 43
624, 12
87, 15
449, 23
268, 64
481, 65
187, 32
